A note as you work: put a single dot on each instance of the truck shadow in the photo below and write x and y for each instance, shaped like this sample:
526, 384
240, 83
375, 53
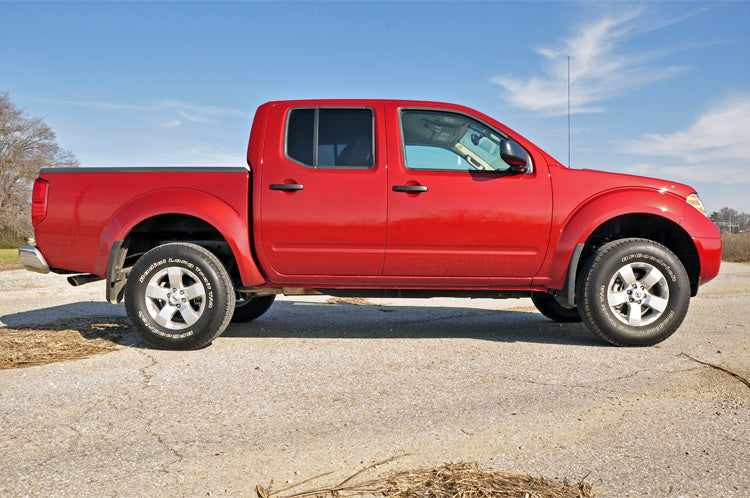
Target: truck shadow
342, 320
366, 321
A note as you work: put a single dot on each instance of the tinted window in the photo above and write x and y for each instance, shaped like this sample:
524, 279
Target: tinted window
300, 135
445, 141
331, 137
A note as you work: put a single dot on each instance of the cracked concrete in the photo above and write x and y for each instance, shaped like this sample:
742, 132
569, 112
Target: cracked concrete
145, 370
316, 386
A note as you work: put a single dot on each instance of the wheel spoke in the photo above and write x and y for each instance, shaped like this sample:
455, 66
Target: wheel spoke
627, 275
188, 314
175, 277
656, 303
617, 298
164, 317
634, 315
154, 291
653, 277
195, 291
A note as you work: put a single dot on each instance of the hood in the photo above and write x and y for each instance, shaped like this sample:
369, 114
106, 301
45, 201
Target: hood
594, 181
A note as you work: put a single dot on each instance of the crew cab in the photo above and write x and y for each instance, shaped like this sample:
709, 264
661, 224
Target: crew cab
376, 198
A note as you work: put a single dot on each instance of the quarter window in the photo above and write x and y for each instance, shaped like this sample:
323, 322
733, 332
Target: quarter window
445, 141
329, 138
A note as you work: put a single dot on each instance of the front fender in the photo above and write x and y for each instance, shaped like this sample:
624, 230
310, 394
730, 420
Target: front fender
232, 225
580, 223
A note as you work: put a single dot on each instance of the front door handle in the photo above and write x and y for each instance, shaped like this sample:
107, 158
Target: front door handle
286, 187
410, 189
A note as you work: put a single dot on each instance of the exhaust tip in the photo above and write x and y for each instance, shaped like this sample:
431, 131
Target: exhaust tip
77, 280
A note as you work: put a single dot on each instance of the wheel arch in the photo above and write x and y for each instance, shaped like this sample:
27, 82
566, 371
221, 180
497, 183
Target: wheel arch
190, 216
608, 218
653, 227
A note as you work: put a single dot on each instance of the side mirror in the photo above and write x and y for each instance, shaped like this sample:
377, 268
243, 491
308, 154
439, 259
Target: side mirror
515, 155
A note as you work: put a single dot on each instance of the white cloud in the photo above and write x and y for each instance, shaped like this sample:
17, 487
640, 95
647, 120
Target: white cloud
720, 138
600, 67
714, 149
190, 112
174, 123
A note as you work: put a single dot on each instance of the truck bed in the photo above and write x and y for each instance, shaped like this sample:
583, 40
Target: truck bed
96, 201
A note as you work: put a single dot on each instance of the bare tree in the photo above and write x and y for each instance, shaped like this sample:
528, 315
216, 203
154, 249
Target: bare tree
730, 221
26, 145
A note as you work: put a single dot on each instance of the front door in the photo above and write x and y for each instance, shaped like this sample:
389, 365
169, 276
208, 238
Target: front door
455, 208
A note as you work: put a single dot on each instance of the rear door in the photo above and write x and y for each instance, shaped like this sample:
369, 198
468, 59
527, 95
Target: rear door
323, 191
455, 207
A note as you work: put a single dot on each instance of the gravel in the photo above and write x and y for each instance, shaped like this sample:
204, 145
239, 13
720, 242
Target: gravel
315, 386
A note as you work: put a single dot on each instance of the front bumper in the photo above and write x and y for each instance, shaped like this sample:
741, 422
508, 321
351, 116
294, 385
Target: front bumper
32, 259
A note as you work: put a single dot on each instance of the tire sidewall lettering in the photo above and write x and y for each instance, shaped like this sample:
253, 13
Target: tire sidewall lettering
166, 263
151, 268
205, 269
605, 263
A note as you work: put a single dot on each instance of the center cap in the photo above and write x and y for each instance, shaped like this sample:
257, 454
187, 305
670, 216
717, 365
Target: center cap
174, 299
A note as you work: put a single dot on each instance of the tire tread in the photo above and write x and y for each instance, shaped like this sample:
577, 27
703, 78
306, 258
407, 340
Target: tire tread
226, 309
584, 283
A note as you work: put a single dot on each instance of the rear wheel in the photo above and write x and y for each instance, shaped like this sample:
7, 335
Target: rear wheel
633, 292
249, 309
549, 307
179, 296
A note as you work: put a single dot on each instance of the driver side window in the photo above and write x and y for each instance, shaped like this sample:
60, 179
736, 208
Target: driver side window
446, 141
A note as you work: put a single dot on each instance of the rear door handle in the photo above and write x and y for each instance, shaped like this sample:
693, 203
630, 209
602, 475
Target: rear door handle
412, 189
286, 187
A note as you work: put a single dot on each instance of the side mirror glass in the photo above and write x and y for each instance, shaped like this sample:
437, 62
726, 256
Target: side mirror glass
515, 155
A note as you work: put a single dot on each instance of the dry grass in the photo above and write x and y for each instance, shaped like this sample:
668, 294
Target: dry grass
358, 301
9, 255
456, 480
736, 248
60, 341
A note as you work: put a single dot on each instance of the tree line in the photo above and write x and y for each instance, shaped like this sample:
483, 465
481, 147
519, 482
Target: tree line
27, 144
730, 220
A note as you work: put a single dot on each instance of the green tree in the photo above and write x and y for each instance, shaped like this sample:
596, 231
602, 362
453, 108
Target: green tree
26, 145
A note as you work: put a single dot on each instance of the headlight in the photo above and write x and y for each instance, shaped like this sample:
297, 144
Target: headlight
695, 201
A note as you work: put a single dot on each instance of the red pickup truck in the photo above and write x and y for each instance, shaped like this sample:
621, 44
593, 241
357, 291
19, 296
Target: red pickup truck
377, 198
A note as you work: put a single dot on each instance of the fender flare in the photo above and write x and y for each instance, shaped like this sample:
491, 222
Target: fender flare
561, 265
231, 224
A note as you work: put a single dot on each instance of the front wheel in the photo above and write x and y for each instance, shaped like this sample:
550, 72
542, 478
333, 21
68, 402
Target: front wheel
179, 296
633, 292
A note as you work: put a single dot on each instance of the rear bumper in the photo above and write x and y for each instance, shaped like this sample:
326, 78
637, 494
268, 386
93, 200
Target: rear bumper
32, 259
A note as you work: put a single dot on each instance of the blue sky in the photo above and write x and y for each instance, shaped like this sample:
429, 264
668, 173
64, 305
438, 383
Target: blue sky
657, 88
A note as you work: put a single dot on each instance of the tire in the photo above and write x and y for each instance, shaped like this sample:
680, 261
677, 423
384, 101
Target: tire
246, 310
549, 307
633, 292
179, 296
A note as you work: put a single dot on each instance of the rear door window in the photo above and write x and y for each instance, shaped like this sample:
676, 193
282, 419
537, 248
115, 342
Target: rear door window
331, 137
